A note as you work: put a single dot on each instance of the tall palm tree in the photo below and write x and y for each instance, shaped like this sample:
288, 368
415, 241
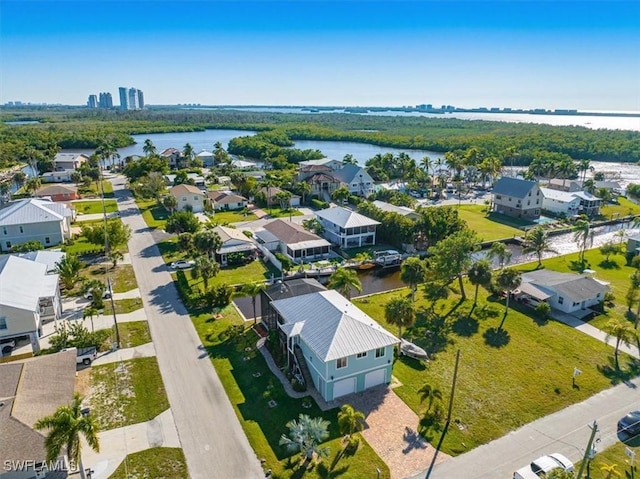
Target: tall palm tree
479, 274
106, 152
425, 164
303, 188
254, 290
399, 312
501, 252
583, 236
305, 436
537, 241
64, 428
350, 421
206, 269
623, 333
188, 153
413, 272
68, 269
33, 184
508, 279
430, 394
344, 280
149, 148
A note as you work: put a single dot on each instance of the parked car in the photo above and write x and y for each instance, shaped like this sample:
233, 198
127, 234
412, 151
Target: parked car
629, 425
182, 264
543, 466
105, 295
7, 345
84, 355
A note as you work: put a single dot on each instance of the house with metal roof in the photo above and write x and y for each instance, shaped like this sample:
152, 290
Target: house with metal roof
401, 210
347, 228
283, 289
235, 245
331, 344
189, 198
570, 202
292, 240
518, 198
69, 161
570, 293
326, 162
29, 297
34, 219
206, 157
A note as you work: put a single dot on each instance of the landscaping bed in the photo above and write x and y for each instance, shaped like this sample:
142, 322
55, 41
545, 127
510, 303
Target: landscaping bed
157, 462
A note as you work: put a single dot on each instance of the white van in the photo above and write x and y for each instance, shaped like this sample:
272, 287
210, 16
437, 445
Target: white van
544, 465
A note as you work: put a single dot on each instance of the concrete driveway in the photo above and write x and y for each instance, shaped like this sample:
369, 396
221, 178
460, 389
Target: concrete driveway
212, 439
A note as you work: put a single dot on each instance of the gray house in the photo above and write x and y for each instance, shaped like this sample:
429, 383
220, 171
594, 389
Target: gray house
517, 198
34, 219
633, 244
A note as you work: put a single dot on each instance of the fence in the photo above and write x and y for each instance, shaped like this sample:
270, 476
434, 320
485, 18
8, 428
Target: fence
269, 256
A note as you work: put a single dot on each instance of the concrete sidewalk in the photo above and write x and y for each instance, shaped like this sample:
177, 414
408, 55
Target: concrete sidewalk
143, 351
116, 444
131, 294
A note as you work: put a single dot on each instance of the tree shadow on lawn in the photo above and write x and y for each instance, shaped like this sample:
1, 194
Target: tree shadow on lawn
496, 337
465, 325
609, 264
623, 374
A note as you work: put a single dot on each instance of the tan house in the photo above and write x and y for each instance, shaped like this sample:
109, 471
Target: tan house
189, 198
226, 200
292, 240
235, 244
58, 192
69, 161
517, 198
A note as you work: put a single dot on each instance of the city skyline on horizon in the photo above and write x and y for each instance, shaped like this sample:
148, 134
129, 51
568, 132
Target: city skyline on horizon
521, 55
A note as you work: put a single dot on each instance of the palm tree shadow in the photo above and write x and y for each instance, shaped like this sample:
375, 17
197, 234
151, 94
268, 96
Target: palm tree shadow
620, 374
465, 325
496, 337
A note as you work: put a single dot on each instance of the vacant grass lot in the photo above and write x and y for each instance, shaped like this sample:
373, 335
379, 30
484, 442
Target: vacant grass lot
506, 379
154, 215
224, 217
157, 462
94, 191
79, 244
122, 277
95, 207
276, 212
249, 273
624, 207
133, 333
123, 306
127, 392
492, 227
263, 425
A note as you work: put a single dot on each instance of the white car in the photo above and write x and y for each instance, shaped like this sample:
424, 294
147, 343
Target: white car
7, 345
105, 295
182, 264
543, 466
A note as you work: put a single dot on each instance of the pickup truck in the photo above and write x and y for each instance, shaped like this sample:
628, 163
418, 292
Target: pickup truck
84, 355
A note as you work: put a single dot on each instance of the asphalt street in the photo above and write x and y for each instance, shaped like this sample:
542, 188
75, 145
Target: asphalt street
212, 439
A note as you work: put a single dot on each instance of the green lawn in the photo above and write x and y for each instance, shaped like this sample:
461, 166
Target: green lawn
127, 392
95, 207
157, 462
276, 212
80, 246
224, 217
263, 425
624, 207
506, 379
122, 277
492, 227
248, 273
154, 215
123, 306
615, 455
133, 333
93, 191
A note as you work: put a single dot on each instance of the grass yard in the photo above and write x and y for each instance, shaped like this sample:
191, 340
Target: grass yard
624, 207
123, 278
127, 392
237, 368
123, 306
95, 207
133, 333
224, 217
93, 191
249, 273
275, 212
506, 379
615, 455
492, 227
80, 246
157, 462
154, 215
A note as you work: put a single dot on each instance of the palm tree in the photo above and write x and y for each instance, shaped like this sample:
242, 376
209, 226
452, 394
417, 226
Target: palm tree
350, 421
399, 312
303, 188
170, 202
413, 273
508, 279
105, 152
583, 236
253, 290
349, 159
430, 394
284, 199
537, 241
425, 164
479, 274
115, 256
65, 426
344, 280
68, 269
149, 148
5, 189
623, 333
206, 269
610, 470
32, 185
305, 436
341, 194
207, 242
188, 153
19, 178
501, 252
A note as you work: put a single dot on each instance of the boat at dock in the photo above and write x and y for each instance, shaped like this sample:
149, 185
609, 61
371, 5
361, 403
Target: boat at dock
388, 258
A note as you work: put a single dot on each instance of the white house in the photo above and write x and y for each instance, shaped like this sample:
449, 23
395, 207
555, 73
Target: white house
338, 349
234, 241
347, 228
28, 298
570, 202
34, 219
294, 241
57, 176
226, 200
69, 161
206, 157
190, 198
569, 293
49, 258
401, 210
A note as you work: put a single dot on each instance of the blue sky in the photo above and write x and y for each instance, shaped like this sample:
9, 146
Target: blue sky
549, 54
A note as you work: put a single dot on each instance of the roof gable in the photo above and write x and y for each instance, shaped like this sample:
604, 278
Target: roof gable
186, 190
514, 187
32, 211
290, 233
350, 173
345, 218
21, 282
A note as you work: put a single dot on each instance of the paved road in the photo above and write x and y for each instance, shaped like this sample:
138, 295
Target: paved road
566, 431
212, 439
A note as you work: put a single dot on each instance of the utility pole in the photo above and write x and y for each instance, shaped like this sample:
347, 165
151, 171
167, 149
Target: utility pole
587, 453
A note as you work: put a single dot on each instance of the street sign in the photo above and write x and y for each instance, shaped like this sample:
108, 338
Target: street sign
576, 372
630, 454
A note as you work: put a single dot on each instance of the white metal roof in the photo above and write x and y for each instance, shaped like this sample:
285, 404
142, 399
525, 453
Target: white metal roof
384, 206
563, 196
22, 282
332, 326
345, 218
47, 257
33, 211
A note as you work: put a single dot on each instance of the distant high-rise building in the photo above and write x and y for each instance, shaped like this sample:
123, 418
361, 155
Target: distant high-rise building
133, 99
92, 102
124, 103
105, 100
140, 100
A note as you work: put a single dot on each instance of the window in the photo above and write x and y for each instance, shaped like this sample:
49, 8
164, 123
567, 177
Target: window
341, 363
598, 295
21, 229
8, 244
498, 197
4, 230
361, 355
3, 322
184, 198
560, 300
380, 352
528, 202
509, 198
195, 198
47, 240
529, 193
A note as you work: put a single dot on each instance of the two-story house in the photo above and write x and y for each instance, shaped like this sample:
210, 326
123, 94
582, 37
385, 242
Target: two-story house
69, 161
355, 179
347, 228
570, 202
34, 219
338, 349
517, 198
189, 198
175, 158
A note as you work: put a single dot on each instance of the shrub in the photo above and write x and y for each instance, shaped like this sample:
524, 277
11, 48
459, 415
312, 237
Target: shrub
298, 386
635, 262
543, 310
218, 296
287, 264
319, 204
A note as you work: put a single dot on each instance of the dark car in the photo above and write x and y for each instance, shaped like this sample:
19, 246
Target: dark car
630, 424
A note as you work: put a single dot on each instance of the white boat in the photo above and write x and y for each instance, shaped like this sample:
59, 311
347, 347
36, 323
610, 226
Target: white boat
411, 350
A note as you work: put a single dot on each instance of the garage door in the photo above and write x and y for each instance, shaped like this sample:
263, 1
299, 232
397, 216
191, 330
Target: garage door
344, 387
374, 378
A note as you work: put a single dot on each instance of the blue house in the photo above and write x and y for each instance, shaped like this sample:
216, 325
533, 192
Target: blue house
332, 344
